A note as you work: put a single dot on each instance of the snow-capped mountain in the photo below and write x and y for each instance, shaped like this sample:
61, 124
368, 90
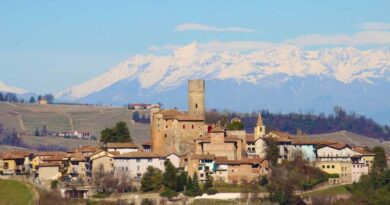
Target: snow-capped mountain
7, 88
314, 80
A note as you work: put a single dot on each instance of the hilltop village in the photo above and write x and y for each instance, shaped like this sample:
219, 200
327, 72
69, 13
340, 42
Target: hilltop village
205, 152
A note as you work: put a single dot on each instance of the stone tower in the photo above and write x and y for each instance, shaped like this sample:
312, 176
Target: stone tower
196, 98
259, 130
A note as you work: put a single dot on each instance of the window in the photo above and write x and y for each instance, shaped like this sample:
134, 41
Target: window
166, 126
138, 168
323, 166
196, 105
328, 166
184, 126
261, 129
332, 166
201, 175
149, 160
165, 135
193, 126
138, 160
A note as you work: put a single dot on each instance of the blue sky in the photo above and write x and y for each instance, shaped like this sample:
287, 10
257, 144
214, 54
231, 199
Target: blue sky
46, 46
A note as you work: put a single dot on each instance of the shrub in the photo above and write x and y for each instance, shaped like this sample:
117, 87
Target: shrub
211, 191
263, 181
54, 184
101, 195
169, 193
147, 202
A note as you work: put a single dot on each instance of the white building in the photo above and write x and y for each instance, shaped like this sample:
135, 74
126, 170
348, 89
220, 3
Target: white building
335, 152
135, 164
122, 147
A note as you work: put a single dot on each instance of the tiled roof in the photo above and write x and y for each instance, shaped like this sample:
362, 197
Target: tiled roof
174, 114
49, 164
122, 145
140, 155
250, 138
203, 156
241, 161
57, 157
14, 154
217, 129
362, 151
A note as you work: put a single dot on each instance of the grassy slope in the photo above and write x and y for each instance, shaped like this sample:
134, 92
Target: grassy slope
14, 193
337, 190
27, 117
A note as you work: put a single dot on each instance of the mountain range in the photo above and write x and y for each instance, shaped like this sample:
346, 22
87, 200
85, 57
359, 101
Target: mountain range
282, 78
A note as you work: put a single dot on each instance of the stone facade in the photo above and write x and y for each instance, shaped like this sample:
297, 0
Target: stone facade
176, 130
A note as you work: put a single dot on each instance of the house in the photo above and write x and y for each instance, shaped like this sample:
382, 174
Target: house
335, 152
238, 171
122, 147
343, 170
16, 162
40, 157
77, 165
103, 161
42, 101
365, 156
86, 150
218, 143
48, 171
135, 164
142, 106
202, 164
359, 168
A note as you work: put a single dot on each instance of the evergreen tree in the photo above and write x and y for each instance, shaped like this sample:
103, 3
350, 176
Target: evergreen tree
169, 177
44, 130
151, 180
181, 181
272, 152
380, 162
49, 98
37, 133
195, 185
120, 133
209, 183
39, 97
1, 96
32, 99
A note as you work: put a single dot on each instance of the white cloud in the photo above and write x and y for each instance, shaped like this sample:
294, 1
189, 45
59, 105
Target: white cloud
360, 38
204, 27
374, 26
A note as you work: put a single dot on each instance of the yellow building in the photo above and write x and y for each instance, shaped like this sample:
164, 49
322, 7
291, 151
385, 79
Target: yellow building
103, 161
15, 162
342, 168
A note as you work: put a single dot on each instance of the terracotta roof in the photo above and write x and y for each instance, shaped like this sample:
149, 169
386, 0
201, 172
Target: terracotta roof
140, 155
231, 138
336, 145
250, 138
309, 141
121, 145
362, 151
14, 154
174, 114
203, 156
57, 157
86, 148
241, 161
78, 157
48, 153
217, 129
49, 164
281, 133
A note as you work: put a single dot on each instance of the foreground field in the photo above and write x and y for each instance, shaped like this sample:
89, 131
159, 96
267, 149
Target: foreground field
25, 118
13, 192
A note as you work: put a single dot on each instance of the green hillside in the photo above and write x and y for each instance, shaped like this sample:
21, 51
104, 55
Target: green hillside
25, 118
14, 193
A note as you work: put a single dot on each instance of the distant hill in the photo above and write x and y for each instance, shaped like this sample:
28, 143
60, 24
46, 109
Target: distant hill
25, 118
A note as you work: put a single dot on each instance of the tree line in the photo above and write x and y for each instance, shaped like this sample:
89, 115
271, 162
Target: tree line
14, 98
308, 123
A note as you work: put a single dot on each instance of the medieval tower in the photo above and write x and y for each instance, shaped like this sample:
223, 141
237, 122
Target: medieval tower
196, 98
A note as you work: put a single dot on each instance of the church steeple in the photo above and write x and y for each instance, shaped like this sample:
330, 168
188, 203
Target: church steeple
259, 130
259, 121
